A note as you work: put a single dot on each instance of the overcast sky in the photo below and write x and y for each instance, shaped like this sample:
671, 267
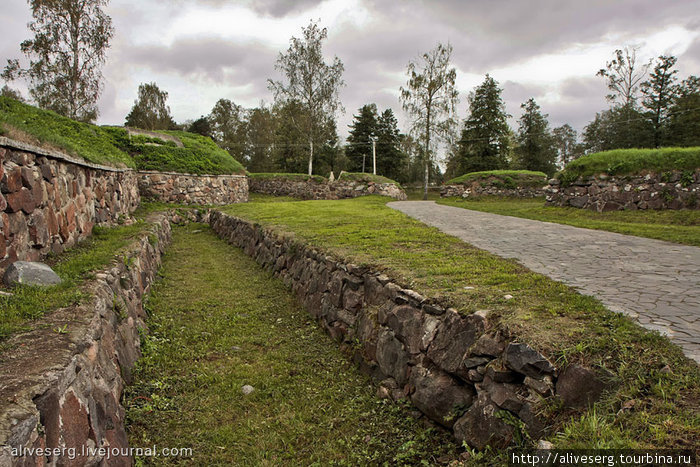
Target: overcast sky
203, 50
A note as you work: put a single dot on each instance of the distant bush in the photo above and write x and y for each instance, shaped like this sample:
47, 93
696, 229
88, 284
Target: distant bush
502, 178
113, 145
288, 176
365, 178
631, 161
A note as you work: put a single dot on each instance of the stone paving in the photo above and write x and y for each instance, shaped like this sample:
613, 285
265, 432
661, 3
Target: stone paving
655, 282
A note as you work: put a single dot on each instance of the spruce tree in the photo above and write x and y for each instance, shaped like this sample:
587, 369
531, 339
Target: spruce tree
535, 150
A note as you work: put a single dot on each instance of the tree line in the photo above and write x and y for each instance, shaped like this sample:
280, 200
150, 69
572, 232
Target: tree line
649, 107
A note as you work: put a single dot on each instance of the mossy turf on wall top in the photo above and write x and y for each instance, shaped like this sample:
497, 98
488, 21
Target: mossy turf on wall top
112, 145
509, 178
631, 161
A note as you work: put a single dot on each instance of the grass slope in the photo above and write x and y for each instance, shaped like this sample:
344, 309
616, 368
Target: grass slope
112, 145
555, 319
631, 161
231, 324
509, 178
73, 266
670, 225
365, 178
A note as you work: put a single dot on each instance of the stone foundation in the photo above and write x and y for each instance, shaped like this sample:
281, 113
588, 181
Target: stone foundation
323, 189
49, 201
170, 187
61, 382
668, 190
458, 370
476, 190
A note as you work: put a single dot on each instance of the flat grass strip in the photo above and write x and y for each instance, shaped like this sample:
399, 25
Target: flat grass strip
677, 226
631, 161
219, 322
73, 266
551, 317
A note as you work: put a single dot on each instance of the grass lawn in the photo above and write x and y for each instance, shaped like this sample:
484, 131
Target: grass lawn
218, 322
555, 319
73, 266
673, 226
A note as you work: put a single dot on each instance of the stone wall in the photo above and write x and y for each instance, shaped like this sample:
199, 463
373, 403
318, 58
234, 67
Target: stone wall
457, 369
170, 187
475, 190
48, 201
668, 190
322, 189
62, 381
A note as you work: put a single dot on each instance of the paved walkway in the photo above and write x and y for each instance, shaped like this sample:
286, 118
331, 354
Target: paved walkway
655, 282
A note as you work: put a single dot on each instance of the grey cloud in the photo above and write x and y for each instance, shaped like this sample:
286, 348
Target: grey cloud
211, 59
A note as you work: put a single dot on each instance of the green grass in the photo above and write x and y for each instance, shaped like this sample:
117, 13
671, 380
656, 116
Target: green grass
416, 193
678, 226
232, 324
631, 161
47, 128
555, 319
113, 145
365, 178
288, 176
508, 178
73, 266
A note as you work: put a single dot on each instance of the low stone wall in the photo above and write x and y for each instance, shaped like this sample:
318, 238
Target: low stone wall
669, 190
171, 187
48, 201
317, 189
61, 383
456, 369
475, 190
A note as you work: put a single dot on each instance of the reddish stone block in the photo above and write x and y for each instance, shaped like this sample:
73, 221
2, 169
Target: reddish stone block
3, 202
27, 177
20, 200
11, 181
38, 230
51, 222
75, 426
70, 213
3, 245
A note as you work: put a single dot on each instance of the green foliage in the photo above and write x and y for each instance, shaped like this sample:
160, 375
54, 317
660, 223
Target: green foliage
631, 161
289, 176
232, 324
511, 177
365, 178
485, 142
150, 111
553, 318
684, 114
68, 49
535, 149
44, 127
669, 225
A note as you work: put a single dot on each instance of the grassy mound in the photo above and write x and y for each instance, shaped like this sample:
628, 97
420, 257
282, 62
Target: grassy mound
365, 178
288, 176
502, 178
631, 161
113, 146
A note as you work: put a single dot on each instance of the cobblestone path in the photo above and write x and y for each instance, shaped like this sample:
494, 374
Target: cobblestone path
657, 283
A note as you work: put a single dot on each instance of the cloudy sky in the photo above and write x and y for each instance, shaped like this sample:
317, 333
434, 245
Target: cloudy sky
203, 50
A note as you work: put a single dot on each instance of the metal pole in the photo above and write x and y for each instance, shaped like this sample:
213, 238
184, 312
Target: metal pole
374, 156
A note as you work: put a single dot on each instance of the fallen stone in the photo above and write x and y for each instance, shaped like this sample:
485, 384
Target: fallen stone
543, 444
527, 361
481, 427
247, 389
579, 387
438, 395
30, 273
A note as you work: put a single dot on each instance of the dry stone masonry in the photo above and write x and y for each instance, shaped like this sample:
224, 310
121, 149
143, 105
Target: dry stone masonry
318, 188
171, 187
62, 389
667, 190
458, 370
48, 201
476, 190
